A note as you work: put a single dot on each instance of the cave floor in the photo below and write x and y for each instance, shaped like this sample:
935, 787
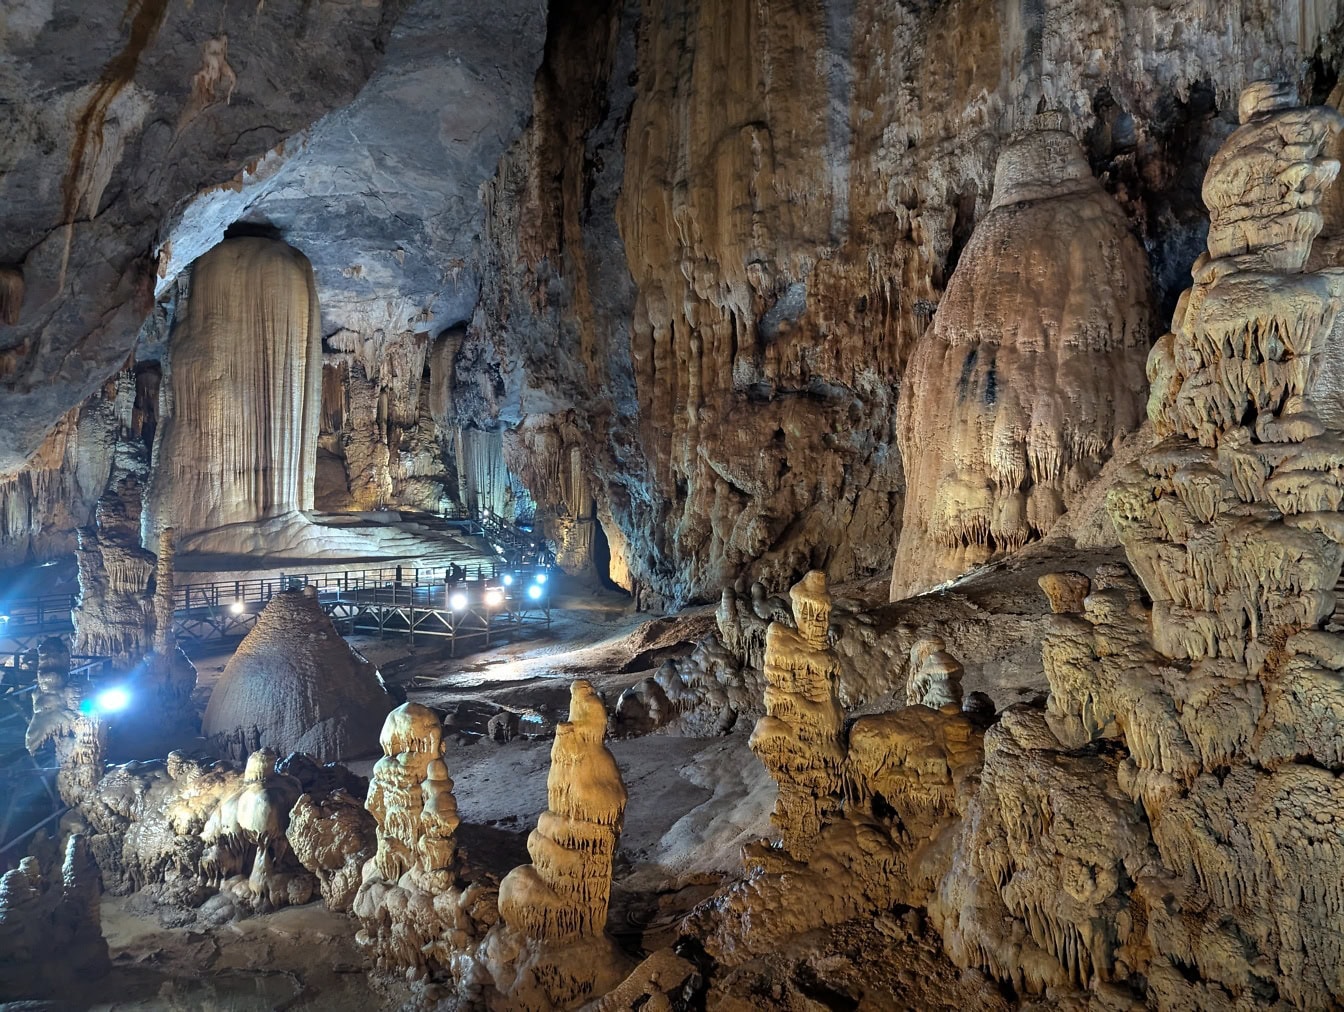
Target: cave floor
694, 802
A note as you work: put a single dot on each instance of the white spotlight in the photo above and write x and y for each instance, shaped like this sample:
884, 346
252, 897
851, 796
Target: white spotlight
541, 577
508, 579
112, 700
494, 597
236, 607
458, 601
534, 592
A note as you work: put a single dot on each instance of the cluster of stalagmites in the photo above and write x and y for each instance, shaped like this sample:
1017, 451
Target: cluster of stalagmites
864, 811
1168, 831
50, 931
269, 835
537, 940
1232, 715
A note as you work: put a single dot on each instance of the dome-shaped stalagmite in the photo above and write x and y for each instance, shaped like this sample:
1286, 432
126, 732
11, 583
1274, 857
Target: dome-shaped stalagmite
296, 686
1031, 369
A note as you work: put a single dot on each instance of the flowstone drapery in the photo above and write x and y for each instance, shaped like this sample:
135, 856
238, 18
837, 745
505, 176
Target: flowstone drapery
240, 437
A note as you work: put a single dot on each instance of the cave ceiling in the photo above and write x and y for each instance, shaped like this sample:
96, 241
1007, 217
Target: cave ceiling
130, 139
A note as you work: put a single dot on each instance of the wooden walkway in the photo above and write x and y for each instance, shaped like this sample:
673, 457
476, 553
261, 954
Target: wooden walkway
481, 608
481, 604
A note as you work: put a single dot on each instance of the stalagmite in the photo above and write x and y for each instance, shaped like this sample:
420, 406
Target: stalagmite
295, 685
246, 850
799, 738
167, 678
61, 716
240, 443
550, 949
1231, 524
1031, 369
413, 912
49, 926
333, 836
935, 675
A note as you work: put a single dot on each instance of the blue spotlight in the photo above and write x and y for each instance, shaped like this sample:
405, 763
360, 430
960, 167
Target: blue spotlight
534, 592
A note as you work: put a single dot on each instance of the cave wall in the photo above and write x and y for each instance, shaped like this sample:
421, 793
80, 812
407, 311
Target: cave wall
702, 265
711, 253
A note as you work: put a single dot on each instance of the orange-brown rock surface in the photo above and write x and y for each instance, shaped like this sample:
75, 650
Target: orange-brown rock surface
729, 224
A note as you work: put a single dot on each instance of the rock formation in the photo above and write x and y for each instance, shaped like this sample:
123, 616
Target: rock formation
935, 676
182, 830
239, 440
97, 177
1031, 369
333, 835
800, 738
1161, 832
50, 930
1231, 525
550, 949
61, 716
43, 506
906, 780
414, 914
246, 848
295, 685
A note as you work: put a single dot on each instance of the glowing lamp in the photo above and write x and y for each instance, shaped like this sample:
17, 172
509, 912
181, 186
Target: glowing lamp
494, 597
236, 607
108, 701
458, 601
508, 579
541, 577
534, 592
